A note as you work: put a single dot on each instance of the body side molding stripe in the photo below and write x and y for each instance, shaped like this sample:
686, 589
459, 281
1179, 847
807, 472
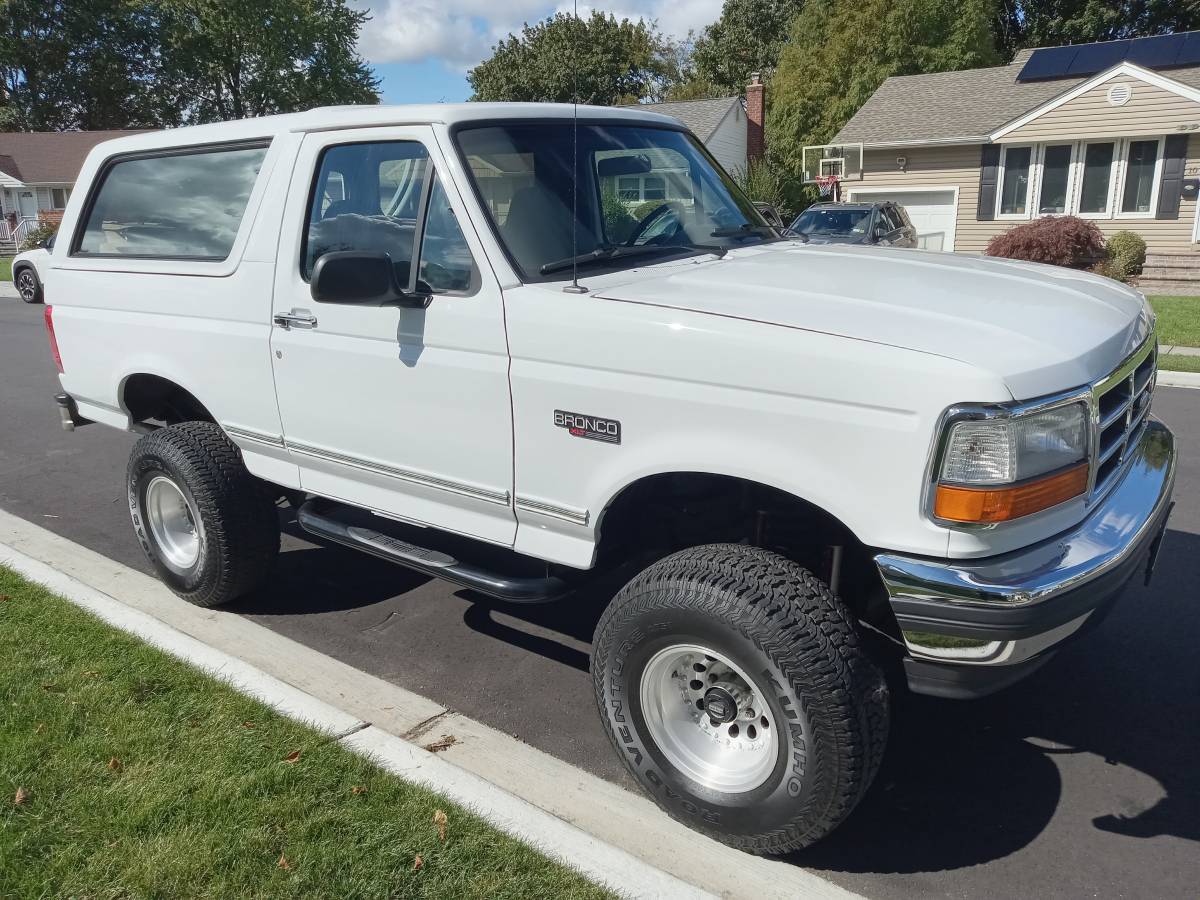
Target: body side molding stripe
500, 498
258, 437
574, 516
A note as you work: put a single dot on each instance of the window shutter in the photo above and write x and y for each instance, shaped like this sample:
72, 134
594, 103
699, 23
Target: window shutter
1171, 185
989, 170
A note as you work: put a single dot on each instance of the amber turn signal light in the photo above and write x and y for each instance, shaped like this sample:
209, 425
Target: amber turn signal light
985, 505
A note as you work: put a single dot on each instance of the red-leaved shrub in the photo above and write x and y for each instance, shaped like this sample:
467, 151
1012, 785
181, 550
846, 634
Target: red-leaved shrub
1057, 240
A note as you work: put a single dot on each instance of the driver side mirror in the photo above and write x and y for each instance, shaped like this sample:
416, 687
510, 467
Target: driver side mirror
367, 279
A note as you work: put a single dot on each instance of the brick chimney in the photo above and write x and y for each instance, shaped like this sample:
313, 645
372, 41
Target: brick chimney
756, 139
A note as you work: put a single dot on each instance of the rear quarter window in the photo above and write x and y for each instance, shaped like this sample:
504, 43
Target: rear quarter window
178, 205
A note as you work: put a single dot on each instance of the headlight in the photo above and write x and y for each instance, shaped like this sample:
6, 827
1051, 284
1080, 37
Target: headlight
993, 470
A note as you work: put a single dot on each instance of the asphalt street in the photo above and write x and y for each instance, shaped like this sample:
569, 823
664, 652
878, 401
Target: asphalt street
1080, 782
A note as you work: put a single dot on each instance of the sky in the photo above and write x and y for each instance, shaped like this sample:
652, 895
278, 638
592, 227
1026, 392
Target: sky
421, 49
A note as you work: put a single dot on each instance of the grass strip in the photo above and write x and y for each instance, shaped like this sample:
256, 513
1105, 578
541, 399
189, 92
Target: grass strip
6, 268
1178, 321
127, 773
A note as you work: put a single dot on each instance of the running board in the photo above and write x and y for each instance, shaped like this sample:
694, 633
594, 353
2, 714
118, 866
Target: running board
317, 518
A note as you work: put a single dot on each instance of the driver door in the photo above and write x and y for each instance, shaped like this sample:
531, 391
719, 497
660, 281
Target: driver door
401, 410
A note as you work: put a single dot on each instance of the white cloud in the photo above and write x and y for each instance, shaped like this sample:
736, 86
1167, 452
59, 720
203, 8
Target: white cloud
462, 32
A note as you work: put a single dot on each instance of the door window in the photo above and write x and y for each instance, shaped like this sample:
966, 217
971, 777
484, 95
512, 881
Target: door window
446, 262
369, 198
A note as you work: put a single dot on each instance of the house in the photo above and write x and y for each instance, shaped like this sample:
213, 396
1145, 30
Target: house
730, 127
1106, 131
37, 172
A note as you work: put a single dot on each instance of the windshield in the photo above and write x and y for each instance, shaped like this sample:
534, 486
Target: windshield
643, 194
832, 221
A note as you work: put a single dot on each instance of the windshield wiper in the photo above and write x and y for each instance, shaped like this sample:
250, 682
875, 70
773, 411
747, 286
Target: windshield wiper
606, 252
746, 229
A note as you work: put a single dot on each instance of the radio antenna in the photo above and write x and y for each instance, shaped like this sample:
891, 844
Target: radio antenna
575, 287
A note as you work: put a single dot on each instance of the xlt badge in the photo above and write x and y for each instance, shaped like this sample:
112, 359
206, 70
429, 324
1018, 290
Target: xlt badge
593, 428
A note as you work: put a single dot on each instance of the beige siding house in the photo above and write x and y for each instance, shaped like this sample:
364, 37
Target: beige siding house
971, 154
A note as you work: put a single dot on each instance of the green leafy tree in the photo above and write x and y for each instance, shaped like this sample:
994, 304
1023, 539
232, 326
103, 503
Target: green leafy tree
94, 64
84, 64
748, 37
226, 59
1047, 23
597, 59
840, 51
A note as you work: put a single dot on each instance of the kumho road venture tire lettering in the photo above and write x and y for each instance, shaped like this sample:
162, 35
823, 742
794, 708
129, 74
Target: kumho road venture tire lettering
733, 685
207, 525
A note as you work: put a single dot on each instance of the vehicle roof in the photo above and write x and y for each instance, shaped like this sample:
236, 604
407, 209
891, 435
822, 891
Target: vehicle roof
864, 205
336, 118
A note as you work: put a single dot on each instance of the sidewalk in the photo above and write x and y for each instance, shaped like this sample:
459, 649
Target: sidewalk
8, 291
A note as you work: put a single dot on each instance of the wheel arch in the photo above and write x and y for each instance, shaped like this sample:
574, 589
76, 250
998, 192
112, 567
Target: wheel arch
149, 395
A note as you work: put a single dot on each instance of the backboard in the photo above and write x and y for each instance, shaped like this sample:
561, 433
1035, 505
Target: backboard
842, 160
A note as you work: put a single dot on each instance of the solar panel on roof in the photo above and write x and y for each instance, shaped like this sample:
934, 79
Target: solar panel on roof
1156, 52
1189, 53
1159, 52
1093, 58
1051, 62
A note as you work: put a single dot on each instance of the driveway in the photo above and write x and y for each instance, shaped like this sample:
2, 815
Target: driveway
1082, 781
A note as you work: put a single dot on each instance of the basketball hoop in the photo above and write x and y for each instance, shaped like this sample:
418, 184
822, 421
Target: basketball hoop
827, 185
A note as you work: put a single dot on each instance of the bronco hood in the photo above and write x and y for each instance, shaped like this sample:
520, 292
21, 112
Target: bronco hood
1042, 329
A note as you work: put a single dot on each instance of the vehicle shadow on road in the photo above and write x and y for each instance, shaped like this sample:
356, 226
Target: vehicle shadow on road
966, 783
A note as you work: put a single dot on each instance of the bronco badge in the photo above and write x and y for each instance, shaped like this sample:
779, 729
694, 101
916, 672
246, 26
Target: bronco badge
593, 428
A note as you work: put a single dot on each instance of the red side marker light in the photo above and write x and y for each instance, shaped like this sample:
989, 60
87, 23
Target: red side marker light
53, 340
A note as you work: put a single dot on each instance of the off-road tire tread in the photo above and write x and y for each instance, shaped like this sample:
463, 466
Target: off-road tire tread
240, 519
794, 619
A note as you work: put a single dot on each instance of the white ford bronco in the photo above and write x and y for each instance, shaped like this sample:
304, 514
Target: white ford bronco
519, 349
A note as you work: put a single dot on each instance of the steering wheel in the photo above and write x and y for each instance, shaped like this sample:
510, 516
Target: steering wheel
649, 219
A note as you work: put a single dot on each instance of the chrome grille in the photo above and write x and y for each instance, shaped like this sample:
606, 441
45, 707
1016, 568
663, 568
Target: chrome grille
1121, 403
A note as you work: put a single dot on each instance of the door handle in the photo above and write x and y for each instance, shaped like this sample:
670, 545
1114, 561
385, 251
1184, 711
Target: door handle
295, 320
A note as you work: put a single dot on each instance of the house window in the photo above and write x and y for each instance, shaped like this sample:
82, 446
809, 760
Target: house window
1141, 177
58, 197
1014, 185
1094, 193
630, 188
1056, 179
654, 188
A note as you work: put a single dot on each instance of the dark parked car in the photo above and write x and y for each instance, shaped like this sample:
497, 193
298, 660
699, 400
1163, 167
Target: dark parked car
885, 224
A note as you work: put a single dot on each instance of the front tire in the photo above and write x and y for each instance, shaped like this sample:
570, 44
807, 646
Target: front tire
733, 685
208, 526
28, 285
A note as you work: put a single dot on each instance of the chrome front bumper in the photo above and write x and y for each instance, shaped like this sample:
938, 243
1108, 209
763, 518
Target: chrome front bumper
974, 626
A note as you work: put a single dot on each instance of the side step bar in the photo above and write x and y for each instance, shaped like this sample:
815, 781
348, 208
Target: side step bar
315, 518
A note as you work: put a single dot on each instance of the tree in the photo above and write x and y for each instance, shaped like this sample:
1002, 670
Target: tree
80, 64
597, 59
1048, 23
95, 64
840, 51
748, 37
226, 59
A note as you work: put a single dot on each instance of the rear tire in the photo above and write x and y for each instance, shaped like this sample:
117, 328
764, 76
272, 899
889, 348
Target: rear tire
208, 526
731, 625
28, 285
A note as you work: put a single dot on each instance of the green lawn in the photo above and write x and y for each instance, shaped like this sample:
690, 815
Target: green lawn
1178, 320
6, 268
126, 773
1171, 362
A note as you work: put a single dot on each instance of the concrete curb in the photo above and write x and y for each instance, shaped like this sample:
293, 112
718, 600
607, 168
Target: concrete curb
1178, 379
611, 835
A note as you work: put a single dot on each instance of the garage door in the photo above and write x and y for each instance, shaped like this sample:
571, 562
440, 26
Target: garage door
932, 212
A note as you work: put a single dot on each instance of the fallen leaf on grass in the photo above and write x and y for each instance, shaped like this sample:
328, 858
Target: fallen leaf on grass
417, 863
292, 757
89, 674
21, 798
358, 789
4, 598
53, 688
115, 764
283, 863
439, 819
40, 728
247, 724
445, 742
